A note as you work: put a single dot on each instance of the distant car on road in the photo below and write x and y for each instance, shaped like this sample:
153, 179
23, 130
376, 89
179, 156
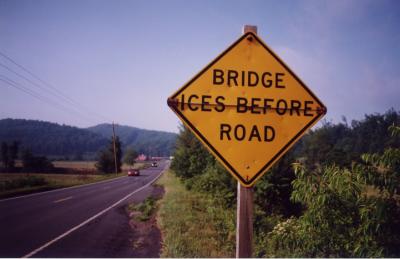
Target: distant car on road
133, 172
154, 164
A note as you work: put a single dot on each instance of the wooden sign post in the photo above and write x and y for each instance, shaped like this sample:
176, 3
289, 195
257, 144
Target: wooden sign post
244, 211
244, 221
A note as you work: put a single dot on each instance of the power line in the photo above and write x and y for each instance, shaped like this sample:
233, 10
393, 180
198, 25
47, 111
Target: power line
33, 83
18, 74
48, 87
39, 79
41, 98
44, 99
26, 90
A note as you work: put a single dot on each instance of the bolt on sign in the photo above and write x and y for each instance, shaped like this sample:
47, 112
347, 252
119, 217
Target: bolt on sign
247, 107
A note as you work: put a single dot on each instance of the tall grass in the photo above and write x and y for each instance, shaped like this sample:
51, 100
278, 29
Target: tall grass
18, 183
22, 182
193, 224
146, 209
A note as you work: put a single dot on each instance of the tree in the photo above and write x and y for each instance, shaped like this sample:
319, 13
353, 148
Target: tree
349, 212
9, 154
105, 159
13, 153
130, 156
190, 157
4, 154
273, 190
105, 162
34, 163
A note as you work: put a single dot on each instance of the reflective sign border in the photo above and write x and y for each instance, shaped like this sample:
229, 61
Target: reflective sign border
172, 103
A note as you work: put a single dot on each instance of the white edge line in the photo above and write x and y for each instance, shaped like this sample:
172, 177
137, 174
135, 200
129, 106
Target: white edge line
60, 189
91, 218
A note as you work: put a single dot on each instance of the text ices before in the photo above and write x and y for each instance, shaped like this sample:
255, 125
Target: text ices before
208, 103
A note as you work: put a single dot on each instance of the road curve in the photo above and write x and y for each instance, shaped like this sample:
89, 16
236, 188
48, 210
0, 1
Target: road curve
30, 222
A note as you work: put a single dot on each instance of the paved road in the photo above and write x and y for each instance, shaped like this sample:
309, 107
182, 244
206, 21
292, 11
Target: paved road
30, 222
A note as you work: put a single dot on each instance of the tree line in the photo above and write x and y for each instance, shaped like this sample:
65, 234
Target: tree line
334, 194
105, 162
62, 141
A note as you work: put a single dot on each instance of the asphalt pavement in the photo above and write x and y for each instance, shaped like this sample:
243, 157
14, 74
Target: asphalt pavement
84, 221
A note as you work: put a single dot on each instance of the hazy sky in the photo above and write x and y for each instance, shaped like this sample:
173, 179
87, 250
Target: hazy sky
120, 60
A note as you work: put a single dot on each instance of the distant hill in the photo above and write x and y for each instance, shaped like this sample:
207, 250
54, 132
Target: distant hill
59, 141
51, 139
156, 143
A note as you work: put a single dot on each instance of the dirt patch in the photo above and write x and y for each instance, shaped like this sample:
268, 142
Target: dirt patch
146, 238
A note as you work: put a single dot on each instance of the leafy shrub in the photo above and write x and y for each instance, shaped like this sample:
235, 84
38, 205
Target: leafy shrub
342, 217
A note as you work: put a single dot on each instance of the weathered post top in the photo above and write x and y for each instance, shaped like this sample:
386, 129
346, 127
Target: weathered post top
249, 28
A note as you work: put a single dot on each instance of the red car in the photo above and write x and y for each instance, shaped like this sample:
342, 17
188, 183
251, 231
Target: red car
133, 172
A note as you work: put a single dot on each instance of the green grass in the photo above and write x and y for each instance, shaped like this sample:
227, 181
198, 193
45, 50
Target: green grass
145, 209
192, 224
21, 183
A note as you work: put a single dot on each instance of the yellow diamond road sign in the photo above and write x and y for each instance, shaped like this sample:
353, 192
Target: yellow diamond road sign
247, 107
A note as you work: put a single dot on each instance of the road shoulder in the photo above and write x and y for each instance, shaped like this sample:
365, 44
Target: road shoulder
146, 237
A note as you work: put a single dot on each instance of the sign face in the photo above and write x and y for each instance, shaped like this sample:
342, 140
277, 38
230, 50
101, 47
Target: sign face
247, 107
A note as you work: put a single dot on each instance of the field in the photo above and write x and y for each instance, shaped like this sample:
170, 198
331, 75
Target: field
75, 164
15, 184
90, 165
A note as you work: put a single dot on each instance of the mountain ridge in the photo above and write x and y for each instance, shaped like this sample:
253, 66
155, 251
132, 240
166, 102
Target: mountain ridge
61, 140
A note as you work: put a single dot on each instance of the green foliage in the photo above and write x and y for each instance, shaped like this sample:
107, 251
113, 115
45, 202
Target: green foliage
130, 156
199, 170
147, 207
32, 163
263, 224
106, 160
329, 144
394, 130
342, 144
190, 157
216, 182
273, 190
4, 154
193, 223
338, 202
342, 219
9, 153
371, 135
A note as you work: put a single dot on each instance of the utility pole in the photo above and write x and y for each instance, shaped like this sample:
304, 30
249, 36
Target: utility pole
115, 152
